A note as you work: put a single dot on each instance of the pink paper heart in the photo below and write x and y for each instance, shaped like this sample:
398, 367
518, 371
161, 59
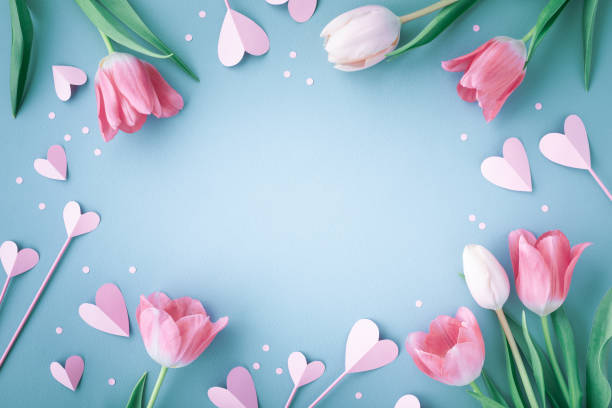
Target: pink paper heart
364, 350
510, 171
240, 391
301, 372
109, 314
240, 34
300, 10
54, 166
64, 77
17, 262
76, 223
570, 149
408, 401
70, 375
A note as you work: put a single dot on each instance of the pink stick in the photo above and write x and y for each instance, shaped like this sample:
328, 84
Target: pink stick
4, 288
38, 294
328, 389
601, 184
291, 396
227, 4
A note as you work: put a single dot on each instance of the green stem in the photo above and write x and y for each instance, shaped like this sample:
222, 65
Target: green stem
533, 402
529, 34
553, 358
426, 10
107, 42
475, 387
158, 383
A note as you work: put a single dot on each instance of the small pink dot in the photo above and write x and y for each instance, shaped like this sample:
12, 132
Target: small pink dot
358, 395
132, 269
482, 225
279, 371
111, 381
202, 14
67, 137
85, 269
472, 217
418, 303
287, 74
97, 152
292, 54
309, 81
42, 206
538, 106
59, 330
85, 130
19, 180
544, 208
188, 37
463, 137
51, 115
476, 28
256, 366
265, 347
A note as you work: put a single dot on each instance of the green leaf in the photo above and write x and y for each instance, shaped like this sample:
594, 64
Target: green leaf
588, 27
536, 364
493, 390
21, 50
128, 16
440, 22
598, 391
565, 336
136, 399
485, 401
547, 17
515, 394
106, 23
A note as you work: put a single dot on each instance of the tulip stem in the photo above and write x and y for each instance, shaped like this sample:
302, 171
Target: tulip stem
475, 387
533, 402
158, 383
529, 34
553, 358
107, 42
427, 10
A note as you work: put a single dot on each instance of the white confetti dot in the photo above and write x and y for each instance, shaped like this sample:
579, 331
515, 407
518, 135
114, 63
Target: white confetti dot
482, 225
418, 303
85, 130
67, 137
132, 270
265, 347
51, 115
476, 28
97, 152
256, 366
292, 54
59, 330
544, 208
85, 269
188, 37
42, 206
111, 381
309, 82
202, 14
287, 74
278, 371
19, 180
472, 217
358, 395
463, 137
538, 106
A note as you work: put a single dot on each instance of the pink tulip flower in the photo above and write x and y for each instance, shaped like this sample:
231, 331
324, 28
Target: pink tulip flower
492, 72
175, 332
543, 268
453, 352
127, 91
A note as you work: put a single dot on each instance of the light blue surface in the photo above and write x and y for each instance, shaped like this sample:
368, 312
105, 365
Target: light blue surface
294, 210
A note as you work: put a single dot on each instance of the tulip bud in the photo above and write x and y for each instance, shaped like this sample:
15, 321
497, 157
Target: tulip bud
485, 277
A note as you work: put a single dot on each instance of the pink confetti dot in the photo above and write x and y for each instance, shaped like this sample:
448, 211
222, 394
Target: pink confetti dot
278, 371
85, 130
51, 115
292, 54
19, 180
463, 137
309, 82
132, 270
188, 37
287, 74
111, 381
256, 366
265, 347
482, 225
476, 28
418, 303
59, 330
472, 217
85, 269
544, 208
42, 206
67, 137
358, 395
97, 152
538, 106
202, 14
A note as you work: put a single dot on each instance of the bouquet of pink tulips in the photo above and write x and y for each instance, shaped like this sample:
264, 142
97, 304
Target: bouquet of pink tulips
453, 352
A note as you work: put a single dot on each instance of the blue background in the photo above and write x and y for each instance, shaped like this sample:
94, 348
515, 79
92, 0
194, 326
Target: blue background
293, 209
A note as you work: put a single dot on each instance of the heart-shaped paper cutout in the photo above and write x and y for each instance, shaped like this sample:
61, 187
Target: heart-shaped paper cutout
240, 391
17, 262
570, 148
364, 350
64, 76
408, 401
300, 10
69, 375
109, 314
510, 171
301, 372
76, 223
54, 166
240, 34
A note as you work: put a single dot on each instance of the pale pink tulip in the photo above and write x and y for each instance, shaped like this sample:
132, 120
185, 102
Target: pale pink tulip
128, 90
453, 352
543, 268
492, 72
175, 332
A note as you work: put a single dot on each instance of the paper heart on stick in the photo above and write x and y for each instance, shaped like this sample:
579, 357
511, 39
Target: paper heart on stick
302, 372
69, 375
240, 391
408, 401
76, 223
109, 314
54, 166
299, 10
64, 77
17, 262
511, 171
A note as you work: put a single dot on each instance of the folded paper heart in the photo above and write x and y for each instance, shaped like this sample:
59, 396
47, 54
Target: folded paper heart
240, 34
17, 262
511, 171
109, 314
240, 391
54, 166
408, 401
299, 10
76, 223
64, 77
69, 375
302, 372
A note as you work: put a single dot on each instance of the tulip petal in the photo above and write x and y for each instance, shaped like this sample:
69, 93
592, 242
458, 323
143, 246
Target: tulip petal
158, 300
576, 253
132, 81
533, 283
184, 306
195, 330
556, 251
170, 101
414, 345
462, 63
463, 364
513, 243
217, 327
111, 100
470, 330
443, 333
467, 94
343, 19
160, 335
108, 133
